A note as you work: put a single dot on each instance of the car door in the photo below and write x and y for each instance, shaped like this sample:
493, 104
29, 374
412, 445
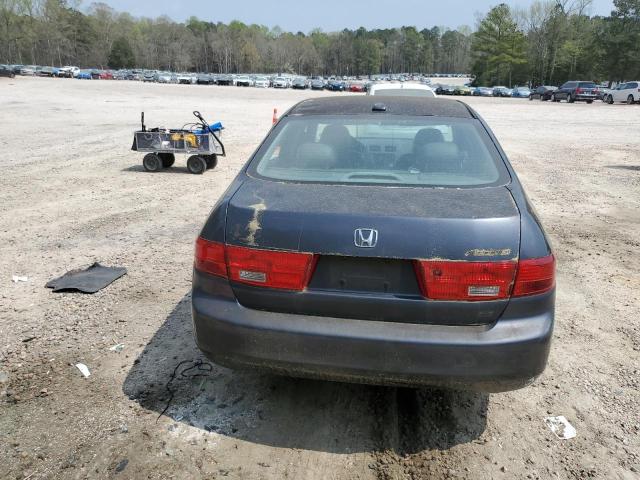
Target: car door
632, 89
619, 94
567, 89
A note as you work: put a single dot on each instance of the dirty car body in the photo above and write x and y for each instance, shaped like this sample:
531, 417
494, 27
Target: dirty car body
384, 240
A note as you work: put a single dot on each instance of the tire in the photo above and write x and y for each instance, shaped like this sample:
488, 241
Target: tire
630, 100
531, 98
610, 99
570, 98
553, 99
589, 102
212, 161
168, 159
196, 165
152, 162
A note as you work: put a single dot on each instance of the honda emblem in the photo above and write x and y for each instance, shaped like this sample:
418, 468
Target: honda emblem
365, 237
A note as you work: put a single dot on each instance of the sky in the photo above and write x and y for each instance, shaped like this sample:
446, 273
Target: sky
329, 15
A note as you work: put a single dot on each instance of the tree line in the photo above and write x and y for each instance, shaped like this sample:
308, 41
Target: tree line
548, 42
554, 41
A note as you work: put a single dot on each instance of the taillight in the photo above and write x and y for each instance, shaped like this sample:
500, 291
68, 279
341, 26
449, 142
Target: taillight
210, 257
578, 90
478, 281
536, 275
265, 268
269, 268
466, 281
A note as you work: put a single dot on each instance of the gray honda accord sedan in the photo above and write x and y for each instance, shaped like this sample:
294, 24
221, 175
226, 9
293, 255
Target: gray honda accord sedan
384, 240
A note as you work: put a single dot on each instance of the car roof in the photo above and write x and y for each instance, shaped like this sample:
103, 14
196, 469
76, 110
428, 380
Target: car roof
411, 106
401, 86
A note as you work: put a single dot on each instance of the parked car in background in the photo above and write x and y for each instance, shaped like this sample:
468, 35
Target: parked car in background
243, 81
576, 91
186, 78
483, 92
6, 71
166, 77
261, 82
462, 90
401, 90
95, 74
300, 83
149, 76
335, 86
204, 79
625, 92
28, 70
106, 75
84, 75
501, 91
68, 71
317, 84
280, 82
398, 247
521, 92
603, 91
225, 80
445, 90
357, 87
543, 92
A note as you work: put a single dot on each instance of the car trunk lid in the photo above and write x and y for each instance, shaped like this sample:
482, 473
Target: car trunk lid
356, 280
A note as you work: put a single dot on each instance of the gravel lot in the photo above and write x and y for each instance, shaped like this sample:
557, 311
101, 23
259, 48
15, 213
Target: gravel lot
73, 193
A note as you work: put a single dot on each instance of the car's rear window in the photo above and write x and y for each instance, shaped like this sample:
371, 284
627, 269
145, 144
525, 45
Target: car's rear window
587, 85
381, 149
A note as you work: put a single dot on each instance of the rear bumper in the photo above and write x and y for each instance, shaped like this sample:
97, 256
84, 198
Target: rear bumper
500, 357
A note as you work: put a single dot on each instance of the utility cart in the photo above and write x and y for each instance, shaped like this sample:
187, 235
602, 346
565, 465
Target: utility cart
199, 141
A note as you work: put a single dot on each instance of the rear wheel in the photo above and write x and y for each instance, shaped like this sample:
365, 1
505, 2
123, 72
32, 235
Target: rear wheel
211, 160
152, 162
630, 100
553, 98
196, 165
589, 102
168, 159
610, 99
570, 98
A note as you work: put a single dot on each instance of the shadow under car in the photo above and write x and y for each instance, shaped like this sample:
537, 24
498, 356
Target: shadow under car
295, 413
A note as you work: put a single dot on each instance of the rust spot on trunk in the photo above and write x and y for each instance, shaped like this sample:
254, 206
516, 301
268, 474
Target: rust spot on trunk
254, 226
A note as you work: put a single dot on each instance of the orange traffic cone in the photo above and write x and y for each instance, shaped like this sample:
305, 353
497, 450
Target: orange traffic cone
275, 116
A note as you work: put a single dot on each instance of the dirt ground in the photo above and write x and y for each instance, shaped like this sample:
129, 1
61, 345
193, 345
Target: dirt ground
73, 193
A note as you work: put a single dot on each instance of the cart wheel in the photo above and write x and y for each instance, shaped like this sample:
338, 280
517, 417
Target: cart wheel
196, 165
168, 159
212, 161
152, 162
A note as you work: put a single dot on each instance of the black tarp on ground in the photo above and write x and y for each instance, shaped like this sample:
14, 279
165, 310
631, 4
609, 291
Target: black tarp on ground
90, 280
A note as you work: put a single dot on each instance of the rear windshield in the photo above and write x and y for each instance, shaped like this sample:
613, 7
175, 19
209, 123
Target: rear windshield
587, 85
405, 92
382, 149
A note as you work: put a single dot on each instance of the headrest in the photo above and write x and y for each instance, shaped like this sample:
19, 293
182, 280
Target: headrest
427, 135
316, 155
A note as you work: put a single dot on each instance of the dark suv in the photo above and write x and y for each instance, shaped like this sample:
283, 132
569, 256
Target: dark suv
576, 92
